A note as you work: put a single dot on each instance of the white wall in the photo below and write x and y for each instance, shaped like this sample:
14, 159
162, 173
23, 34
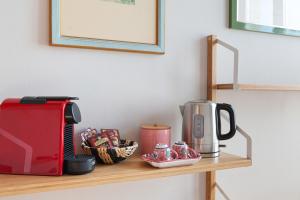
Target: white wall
124, 90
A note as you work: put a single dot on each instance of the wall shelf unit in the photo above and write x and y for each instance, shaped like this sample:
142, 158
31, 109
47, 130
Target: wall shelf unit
135, 169
130, 170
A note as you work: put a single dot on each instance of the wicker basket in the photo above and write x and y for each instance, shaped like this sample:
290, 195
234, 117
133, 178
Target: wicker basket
111, 155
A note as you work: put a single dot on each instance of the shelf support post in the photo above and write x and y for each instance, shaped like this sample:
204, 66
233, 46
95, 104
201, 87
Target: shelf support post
211, 67
210, 185
211, 95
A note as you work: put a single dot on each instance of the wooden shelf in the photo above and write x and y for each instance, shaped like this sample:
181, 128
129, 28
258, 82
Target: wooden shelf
130, 170
257, 87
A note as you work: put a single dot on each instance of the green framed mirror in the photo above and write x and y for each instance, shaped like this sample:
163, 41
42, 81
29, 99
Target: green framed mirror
269, 16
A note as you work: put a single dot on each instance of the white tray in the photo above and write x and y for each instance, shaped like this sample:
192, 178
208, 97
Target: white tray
172, 163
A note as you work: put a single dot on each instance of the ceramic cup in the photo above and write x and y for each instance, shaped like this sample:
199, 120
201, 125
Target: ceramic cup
162, 152
183, 150
150, 135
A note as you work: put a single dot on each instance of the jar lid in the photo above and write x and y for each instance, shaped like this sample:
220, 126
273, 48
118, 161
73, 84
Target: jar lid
156, 127
161, 146
180, 143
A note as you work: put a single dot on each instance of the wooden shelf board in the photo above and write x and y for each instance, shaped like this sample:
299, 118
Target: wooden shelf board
129, 170
258, 87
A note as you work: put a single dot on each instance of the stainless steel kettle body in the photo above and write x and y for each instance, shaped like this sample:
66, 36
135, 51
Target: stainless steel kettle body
201, 127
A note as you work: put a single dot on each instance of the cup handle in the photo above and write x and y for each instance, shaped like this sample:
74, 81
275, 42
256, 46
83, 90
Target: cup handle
174, 154
192, 153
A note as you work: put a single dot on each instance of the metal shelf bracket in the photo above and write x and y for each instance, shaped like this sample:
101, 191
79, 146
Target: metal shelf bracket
236, 62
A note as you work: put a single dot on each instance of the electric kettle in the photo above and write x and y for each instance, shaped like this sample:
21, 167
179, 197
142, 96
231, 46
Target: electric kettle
201, 127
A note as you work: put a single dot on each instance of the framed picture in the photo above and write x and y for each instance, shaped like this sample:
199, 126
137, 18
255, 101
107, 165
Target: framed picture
123, 25
269, 16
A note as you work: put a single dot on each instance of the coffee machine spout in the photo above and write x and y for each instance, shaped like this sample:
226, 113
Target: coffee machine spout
181, 107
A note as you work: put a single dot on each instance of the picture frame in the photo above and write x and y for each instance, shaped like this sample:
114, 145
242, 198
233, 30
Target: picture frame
69, 30
234, 23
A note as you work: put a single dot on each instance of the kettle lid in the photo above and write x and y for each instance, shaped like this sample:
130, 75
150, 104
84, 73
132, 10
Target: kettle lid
200, 101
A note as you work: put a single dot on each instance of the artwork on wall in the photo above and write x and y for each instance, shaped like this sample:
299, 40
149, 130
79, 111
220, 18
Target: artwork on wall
269, 16
124, 25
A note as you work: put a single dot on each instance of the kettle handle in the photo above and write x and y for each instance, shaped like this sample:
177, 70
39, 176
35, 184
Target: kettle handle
231, 133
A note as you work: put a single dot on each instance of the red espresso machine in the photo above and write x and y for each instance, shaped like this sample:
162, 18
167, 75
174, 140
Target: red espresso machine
36, 137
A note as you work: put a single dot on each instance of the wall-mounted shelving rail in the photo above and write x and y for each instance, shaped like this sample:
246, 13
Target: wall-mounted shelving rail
212, 87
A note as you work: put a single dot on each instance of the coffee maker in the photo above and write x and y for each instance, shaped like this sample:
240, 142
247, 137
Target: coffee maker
201, 127
36, 137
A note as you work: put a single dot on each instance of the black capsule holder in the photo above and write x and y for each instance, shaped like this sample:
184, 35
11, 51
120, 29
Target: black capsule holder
75, 164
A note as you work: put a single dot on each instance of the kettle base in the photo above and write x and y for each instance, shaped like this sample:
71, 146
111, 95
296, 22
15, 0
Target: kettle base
210, 155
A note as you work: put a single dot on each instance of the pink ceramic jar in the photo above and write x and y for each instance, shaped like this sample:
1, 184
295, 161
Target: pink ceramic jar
150, 135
